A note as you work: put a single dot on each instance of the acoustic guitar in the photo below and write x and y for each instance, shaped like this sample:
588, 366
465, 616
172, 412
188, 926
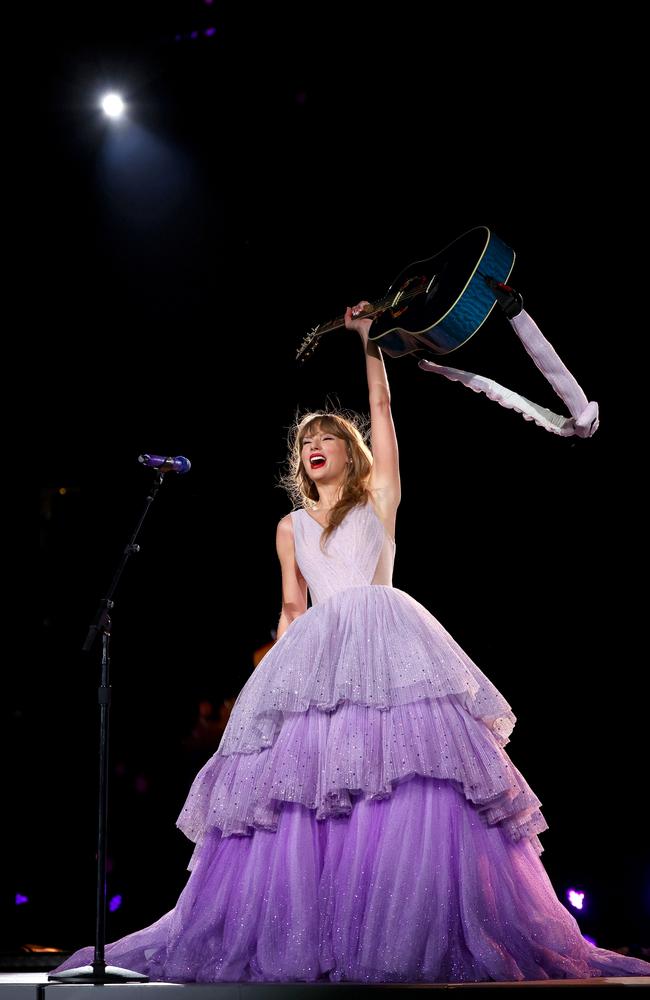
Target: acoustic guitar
435, 304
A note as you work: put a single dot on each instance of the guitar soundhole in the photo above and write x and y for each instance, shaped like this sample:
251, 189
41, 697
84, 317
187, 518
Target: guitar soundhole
410, 289
435, 283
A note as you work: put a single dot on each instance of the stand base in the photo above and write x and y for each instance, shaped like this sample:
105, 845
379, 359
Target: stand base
91, 976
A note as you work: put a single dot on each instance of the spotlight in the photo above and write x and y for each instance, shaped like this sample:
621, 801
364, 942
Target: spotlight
112, 105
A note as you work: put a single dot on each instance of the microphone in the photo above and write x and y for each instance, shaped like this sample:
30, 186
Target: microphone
166, 464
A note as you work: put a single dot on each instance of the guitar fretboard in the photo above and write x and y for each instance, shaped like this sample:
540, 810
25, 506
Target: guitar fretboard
405, 295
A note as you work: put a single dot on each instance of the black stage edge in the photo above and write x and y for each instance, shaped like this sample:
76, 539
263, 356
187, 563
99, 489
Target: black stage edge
34, 986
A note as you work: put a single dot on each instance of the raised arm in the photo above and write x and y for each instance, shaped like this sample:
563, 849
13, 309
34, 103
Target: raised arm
294, 585
384, 479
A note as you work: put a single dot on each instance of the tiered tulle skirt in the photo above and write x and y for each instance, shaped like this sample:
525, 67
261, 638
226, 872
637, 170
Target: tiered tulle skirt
361, 821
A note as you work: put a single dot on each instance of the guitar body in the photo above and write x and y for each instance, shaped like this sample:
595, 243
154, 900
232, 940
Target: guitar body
440, 302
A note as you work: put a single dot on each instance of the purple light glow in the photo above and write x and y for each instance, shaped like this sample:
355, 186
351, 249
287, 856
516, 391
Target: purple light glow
589, 940
115, 903
209, 32
21, 899
575, 898
194, 34
141, 783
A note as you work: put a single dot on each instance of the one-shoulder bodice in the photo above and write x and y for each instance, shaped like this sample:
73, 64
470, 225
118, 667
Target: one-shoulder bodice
359, 552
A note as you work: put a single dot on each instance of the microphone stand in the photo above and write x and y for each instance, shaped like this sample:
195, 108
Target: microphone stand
99, 973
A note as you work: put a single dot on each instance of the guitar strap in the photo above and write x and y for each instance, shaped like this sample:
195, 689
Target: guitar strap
583, 421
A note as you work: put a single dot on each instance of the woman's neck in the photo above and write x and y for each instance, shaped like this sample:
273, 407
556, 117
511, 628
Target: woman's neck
328, 497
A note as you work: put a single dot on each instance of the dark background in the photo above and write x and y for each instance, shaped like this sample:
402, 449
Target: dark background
269, 174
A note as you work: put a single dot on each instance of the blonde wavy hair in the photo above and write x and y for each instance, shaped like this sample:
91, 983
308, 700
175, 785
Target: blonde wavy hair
354, 429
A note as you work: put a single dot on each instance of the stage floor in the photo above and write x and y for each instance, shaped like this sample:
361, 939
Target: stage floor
25, 985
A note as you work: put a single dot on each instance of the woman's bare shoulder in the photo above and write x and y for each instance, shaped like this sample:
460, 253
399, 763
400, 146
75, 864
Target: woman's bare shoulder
284, 531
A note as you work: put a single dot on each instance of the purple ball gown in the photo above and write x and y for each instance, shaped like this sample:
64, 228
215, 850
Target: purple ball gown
361, 820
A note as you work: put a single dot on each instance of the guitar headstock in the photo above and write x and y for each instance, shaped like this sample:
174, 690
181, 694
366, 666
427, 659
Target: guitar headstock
308, 345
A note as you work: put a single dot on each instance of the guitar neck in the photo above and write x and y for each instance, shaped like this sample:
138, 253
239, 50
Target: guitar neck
369, 311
